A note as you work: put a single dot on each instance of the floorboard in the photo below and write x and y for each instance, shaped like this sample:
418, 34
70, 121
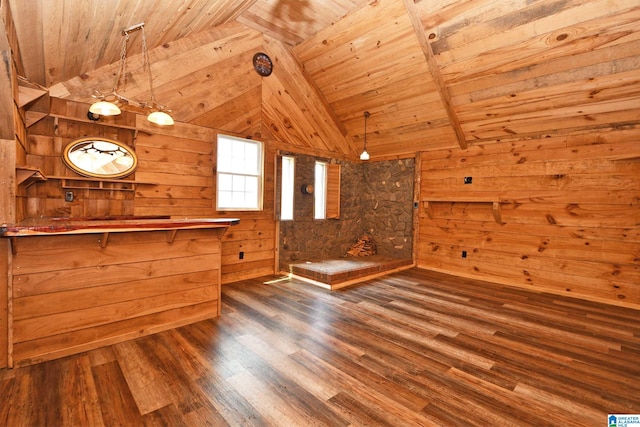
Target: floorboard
411, 348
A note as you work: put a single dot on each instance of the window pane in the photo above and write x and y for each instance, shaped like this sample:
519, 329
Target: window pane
238, 184
320, 193
251, 156
251, 184
224, 182
224, 198
239, 179
224, 152
286, 196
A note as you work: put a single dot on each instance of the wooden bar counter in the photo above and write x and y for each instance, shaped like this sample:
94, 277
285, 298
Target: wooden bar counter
76, 285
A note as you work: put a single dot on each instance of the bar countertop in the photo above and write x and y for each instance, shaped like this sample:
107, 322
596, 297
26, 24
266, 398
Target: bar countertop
53, 226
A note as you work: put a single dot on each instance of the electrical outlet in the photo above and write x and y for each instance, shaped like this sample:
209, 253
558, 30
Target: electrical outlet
68, 196
464, 254
241, 255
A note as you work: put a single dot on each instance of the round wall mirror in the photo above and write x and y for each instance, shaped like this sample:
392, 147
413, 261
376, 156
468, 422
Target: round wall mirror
100, 158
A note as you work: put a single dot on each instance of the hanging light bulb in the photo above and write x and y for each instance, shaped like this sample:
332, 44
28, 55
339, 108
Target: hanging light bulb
103, 107
160, 118
365, 155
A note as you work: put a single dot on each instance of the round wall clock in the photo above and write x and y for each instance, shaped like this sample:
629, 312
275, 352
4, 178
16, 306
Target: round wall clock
262, 64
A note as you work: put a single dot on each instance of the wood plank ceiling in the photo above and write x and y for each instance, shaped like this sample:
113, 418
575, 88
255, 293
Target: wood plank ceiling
445, 74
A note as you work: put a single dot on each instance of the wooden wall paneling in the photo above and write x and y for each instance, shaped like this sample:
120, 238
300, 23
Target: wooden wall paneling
256, 238
46, 141
485, 266
34, 318
257, 230
122, 248
5, 286
567, 119
85, 295
570, 209
8, 152
12, 125
61, 345
182, 170
178, 130
76, 115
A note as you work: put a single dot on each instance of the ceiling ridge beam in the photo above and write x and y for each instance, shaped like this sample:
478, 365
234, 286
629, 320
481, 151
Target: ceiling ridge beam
435, 71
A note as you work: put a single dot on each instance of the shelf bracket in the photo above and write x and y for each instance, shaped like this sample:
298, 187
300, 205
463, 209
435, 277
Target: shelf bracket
171, 235
497, 212
427, 208
29, 174
105, 240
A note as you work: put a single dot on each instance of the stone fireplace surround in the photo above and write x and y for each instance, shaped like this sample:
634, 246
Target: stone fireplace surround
376, 199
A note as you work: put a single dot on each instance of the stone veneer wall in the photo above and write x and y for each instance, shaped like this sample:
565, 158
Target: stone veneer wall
376, 199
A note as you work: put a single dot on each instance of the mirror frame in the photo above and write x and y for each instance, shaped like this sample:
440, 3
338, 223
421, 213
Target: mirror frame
76, 144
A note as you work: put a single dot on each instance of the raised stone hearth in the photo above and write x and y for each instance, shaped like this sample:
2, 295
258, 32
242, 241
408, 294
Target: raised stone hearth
341, 272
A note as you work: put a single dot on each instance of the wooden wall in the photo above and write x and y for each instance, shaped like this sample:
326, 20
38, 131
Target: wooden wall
175, 176
181, 161
46, 141
10, 129
566, 221
70, 294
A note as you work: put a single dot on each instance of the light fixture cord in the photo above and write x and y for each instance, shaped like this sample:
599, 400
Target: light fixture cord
122, 73
147, 64
366, 115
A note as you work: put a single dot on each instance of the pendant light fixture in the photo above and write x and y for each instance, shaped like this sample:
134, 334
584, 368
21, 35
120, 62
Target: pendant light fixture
365, 155
110, 104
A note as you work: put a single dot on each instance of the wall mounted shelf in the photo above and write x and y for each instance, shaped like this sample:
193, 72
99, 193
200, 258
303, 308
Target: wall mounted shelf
85, 183
28, 175
33, 100
496, 204
90, 184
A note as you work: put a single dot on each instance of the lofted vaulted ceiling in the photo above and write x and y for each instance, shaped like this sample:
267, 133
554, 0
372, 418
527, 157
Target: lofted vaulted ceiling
433, 74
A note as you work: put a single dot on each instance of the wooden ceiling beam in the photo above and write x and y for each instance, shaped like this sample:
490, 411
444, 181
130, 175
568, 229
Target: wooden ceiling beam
435, 71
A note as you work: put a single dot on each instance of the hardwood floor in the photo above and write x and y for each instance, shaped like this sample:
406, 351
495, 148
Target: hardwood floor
413, 348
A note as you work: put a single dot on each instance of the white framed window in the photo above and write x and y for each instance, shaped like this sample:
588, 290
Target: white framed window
320, 191
286, 192
239, 179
